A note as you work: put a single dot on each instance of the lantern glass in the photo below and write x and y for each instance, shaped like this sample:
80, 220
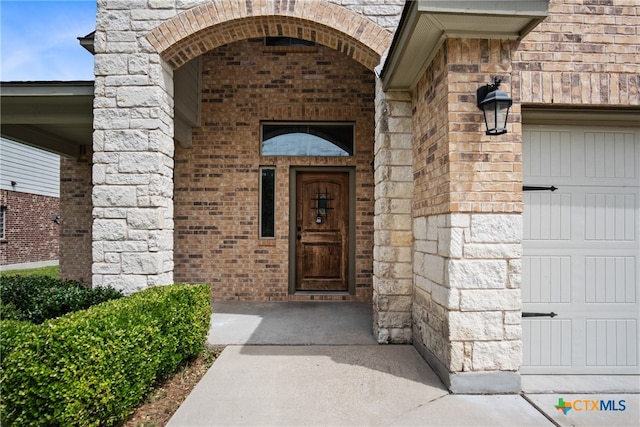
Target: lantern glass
496, 106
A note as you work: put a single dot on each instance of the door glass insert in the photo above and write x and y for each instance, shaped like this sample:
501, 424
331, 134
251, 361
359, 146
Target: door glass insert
319, 139
322, 200
322, 204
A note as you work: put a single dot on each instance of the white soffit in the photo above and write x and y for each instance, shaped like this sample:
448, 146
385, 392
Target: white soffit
55, 116
426, 24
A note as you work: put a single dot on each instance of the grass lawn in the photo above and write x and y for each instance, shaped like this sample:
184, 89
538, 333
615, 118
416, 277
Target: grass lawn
51, 271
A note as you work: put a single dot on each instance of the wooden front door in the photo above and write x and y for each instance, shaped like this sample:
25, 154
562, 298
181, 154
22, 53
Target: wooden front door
322, 231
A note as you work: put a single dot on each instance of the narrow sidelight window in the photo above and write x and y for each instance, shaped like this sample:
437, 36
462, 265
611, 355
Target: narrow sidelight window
3, 211
267, 202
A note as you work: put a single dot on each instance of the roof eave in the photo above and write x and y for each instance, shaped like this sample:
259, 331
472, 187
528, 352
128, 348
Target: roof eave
88, 42
55, 116
426, 24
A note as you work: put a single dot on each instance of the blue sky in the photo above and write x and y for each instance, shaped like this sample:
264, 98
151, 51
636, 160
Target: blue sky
38, 39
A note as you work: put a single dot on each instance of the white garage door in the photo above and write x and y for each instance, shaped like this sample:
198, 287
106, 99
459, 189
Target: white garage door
581, 248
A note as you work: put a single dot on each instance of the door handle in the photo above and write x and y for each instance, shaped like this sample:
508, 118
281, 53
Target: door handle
299, 237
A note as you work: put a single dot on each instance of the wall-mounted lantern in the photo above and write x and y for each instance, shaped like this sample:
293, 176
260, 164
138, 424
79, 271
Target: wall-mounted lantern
495, 105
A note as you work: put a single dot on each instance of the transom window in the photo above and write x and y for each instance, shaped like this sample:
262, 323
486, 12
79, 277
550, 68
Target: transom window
307, 139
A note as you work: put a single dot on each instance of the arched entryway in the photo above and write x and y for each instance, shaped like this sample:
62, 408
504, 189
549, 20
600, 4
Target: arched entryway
221, 178
203, 28
253, 70
139, 114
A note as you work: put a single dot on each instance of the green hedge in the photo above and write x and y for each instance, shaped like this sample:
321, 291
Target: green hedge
92, 367
38, 298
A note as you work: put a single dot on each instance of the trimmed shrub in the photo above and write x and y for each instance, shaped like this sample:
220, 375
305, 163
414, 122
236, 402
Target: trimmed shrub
38, 298
92, 367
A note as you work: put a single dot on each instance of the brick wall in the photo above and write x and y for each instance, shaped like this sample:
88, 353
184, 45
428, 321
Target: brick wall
485, 171
217, 179
431, 140
457, 167
585, 52
75, 226
30, 234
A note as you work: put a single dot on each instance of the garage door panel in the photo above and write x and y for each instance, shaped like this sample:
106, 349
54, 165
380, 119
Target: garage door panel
548, 216
547, 154
582, 213
546, 279
610, 216
610, 279
581, 251
547, 342
611, 342
580, 344
610, 155
602, 276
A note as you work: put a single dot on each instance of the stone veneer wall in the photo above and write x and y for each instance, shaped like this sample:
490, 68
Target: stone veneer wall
76, 218
467, 223
392, 257
467, 299
217, 179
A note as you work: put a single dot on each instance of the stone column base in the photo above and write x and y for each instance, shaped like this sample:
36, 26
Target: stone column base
486, 382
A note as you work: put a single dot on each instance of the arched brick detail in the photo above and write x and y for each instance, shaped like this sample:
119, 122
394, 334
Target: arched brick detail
208, 26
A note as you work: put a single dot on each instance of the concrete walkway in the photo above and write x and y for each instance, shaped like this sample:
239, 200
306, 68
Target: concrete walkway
300, 364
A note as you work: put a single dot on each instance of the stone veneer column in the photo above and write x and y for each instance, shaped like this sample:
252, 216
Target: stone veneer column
393, 237
133, 152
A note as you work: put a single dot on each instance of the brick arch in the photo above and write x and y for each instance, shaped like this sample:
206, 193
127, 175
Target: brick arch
208, 26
